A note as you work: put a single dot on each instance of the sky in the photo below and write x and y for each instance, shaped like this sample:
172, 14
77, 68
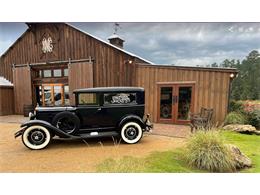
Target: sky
187, 44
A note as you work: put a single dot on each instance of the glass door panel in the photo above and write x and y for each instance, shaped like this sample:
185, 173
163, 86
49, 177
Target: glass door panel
66, 94
184, 102
58, 95
47, 91
166, 102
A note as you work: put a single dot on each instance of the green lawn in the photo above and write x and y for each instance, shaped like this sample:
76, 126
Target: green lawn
249, 145
174, 162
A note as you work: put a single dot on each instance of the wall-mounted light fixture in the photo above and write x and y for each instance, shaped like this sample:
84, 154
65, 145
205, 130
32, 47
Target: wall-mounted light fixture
232, 75
129, 61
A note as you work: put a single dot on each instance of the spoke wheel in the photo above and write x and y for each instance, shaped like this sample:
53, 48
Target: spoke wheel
36, 137
131, 132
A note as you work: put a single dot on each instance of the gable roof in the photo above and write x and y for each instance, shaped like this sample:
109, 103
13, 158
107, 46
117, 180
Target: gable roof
122, 50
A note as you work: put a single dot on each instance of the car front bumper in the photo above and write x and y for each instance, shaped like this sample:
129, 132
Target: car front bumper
148, 124
19, 133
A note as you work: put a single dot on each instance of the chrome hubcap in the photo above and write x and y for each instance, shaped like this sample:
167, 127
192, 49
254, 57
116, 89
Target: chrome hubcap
37, 137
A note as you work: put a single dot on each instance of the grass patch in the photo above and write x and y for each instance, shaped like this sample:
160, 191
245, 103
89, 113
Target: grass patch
157, 162
175, 162
126, 164
248, 144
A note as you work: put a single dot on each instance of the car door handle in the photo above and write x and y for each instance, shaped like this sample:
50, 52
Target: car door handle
99, 109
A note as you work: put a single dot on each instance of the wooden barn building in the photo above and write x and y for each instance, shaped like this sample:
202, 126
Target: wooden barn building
50, 60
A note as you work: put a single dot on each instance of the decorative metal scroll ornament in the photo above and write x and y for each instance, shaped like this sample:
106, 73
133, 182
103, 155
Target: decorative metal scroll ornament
47, 45
120, 99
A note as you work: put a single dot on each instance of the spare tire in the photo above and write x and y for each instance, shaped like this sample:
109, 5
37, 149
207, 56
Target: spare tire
67, 122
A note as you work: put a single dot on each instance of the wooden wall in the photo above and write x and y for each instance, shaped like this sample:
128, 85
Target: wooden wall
22, 88
80, 76
110, 67
6, 100
211, 87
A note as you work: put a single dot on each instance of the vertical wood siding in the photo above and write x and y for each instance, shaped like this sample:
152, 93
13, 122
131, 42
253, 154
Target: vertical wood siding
6, 100
211, 88
80, 76
22, 88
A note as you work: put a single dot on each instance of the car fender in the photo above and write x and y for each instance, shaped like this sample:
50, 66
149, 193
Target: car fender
48, 126
131, 118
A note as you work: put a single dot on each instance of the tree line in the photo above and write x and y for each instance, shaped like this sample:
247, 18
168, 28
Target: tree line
246, 85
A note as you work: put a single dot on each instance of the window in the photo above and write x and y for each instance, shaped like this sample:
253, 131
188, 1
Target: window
46, 73
67, 97
119, 98
88, 99
66, 72
40, 73
57, 72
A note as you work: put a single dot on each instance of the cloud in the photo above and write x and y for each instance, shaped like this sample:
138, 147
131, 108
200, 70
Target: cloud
9, 32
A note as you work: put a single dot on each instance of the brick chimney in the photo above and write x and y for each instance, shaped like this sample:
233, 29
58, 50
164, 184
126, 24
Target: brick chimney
116, 40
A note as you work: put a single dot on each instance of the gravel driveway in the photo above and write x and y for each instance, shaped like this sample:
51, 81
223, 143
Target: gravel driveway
72, 156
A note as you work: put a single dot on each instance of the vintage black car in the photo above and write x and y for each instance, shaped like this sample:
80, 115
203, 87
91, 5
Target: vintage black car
98, 112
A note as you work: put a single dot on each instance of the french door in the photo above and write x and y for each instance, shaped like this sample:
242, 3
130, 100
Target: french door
176, 102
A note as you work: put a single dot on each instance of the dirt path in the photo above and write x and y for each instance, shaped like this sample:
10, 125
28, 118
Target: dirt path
72, 156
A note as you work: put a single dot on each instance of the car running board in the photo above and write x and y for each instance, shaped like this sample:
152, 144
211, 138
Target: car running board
96, 135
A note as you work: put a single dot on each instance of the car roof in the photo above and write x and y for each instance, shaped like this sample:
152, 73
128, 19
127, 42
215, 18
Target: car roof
109, 89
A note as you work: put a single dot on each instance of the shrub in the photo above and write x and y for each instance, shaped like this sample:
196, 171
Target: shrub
253, 118
236, 106
235, 118
207, 151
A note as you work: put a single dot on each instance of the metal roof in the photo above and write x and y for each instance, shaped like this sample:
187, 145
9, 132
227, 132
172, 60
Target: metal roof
5, 82
109, 89
217, 69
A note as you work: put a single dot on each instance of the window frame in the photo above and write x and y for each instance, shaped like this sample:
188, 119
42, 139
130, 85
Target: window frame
59, 69
125, 104
88, 105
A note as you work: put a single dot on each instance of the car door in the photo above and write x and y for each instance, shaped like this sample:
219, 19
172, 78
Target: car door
88, 110
116, 105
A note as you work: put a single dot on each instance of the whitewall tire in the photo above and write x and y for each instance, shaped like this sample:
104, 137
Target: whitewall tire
131, 132
36, 137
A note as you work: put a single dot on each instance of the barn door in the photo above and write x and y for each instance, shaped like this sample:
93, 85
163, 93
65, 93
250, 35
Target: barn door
176, 102
80, 76
22, 88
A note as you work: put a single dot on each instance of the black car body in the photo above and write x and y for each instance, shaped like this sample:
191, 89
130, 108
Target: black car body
98, 112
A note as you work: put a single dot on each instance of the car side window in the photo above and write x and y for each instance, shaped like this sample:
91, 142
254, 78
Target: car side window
87, 99
119, 98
